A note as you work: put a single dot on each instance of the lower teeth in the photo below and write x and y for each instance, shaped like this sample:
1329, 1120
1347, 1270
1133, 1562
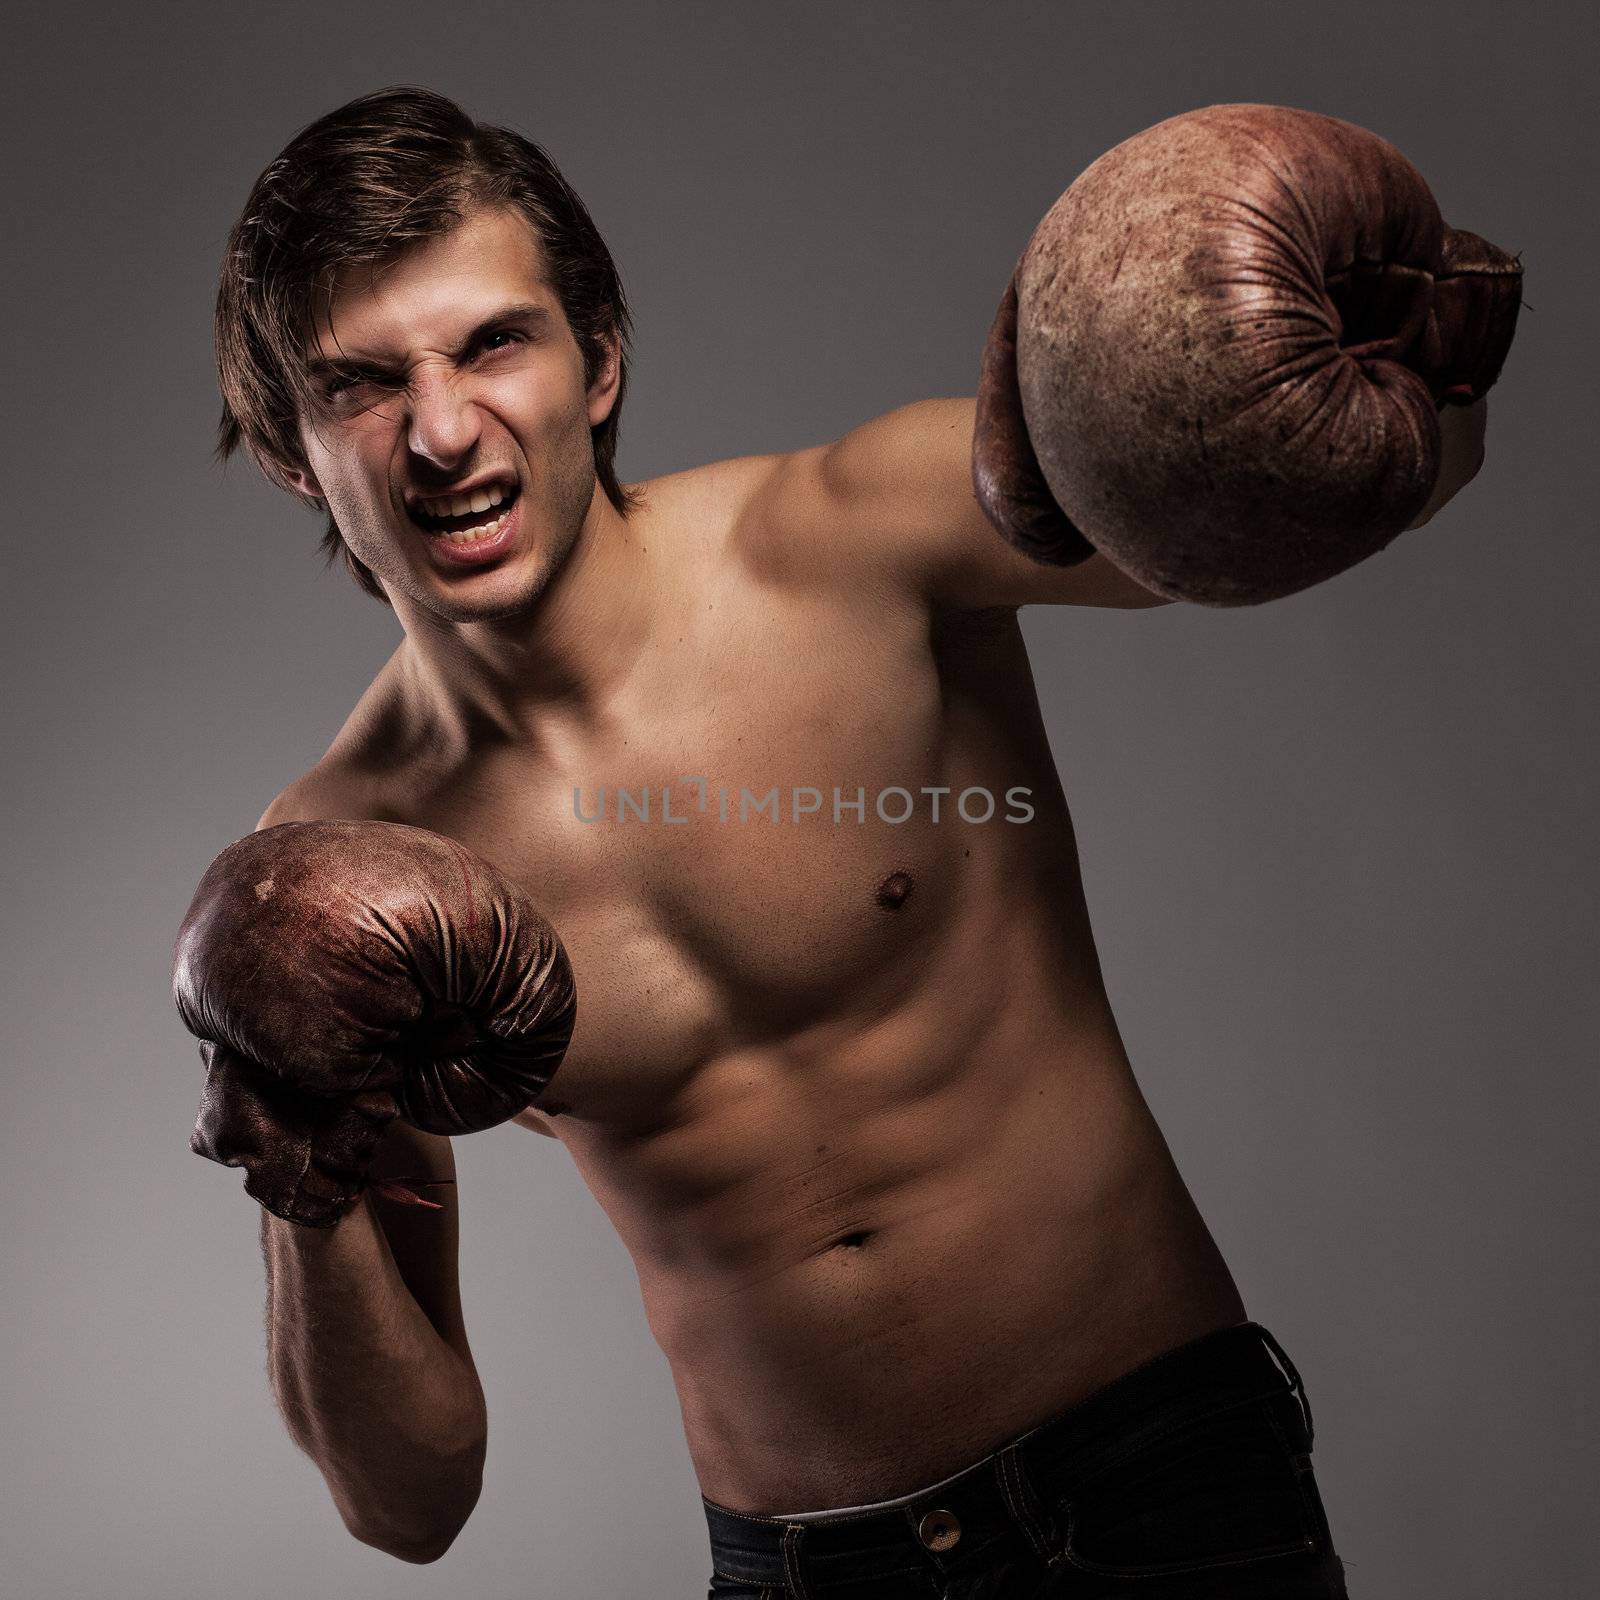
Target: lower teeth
485, 531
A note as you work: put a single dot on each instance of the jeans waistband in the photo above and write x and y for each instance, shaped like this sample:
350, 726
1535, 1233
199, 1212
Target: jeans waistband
1007, 1490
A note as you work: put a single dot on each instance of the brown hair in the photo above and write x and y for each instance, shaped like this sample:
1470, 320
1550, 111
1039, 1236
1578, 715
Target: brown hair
357, 186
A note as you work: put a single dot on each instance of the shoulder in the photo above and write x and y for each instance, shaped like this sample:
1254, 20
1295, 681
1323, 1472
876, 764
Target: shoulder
704, 507
324, 794
883, 505
353, 781
792, 518
862, 506
745, 520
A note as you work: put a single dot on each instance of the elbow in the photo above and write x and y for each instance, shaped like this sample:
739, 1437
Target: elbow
418, 1554
419, 1551
418, 1537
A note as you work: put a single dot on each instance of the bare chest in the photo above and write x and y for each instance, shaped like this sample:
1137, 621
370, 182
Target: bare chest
743, 852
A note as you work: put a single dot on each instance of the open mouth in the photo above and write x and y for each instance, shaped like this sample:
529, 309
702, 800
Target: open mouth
466, 518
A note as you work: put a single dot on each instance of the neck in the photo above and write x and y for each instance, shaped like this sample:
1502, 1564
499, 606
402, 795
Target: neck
561, 656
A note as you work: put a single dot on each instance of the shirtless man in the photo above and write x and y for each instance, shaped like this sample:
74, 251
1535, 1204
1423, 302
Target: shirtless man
847, 1086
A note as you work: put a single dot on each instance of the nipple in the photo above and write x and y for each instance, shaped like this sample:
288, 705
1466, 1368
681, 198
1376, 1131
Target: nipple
895, 890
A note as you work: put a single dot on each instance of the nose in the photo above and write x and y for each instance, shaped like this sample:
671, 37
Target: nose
444, 424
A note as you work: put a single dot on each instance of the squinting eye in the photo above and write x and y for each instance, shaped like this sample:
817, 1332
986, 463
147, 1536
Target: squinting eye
332, 388
354, 389
505, 333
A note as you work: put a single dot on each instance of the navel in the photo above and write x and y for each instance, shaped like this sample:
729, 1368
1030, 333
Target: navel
852, 1241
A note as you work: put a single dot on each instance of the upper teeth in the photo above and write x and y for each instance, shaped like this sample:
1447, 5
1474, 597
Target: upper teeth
461, 505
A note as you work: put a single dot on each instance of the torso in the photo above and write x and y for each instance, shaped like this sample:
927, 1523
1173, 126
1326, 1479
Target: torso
850, 1092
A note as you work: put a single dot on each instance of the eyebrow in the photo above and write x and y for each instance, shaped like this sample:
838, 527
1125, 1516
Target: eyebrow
528, 316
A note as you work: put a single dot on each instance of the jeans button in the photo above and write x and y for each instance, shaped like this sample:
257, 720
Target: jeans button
939, 1530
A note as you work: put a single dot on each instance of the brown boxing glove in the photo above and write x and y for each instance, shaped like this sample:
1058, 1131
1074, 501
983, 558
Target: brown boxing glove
1221, 359
342, 973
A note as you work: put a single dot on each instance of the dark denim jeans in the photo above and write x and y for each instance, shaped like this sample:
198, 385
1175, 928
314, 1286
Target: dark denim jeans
1187, 1477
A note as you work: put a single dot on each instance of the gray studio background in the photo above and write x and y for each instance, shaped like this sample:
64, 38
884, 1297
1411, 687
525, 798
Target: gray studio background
1340, 849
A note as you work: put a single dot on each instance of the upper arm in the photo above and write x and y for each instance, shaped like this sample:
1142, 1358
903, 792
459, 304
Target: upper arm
897, 493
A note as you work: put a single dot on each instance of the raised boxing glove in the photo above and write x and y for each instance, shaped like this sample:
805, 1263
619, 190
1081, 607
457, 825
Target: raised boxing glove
1221, 358
340, 974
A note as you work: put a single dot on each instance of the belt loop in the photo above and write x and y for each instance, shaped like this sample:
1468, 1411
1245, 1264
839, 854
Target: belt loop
793, 1533
1022, 1502
1295, 1385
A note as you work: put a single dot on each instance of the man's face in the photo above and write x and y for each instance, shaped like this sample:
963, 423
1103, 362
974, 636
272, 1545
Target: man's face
446, 376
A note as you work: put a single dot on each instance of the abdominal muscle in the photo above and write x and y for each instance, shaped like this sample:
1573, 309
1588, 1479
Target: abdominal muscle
867, 1274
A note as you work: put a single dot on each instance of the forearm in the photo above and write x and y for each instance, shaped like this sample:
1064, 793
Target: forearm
392, 1416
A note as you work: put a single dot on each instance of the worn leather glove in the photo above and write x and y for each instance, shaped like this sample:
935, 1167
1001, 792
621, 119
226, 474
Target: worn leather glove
340, 974
1221, 358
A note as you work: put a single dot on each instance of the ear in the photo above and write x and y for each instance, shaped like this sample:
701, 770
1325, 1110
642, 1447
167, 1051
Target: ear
302, 483
603, 391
